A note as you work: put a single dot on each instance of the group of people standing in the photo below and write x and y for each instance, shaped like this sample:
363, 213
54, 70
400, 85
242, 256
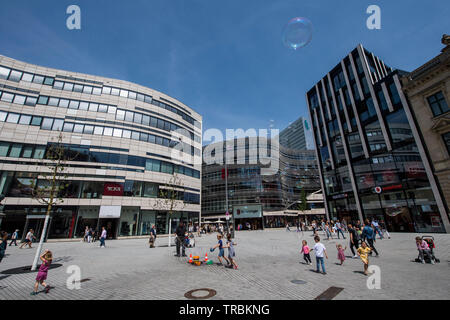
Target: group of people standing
91, 235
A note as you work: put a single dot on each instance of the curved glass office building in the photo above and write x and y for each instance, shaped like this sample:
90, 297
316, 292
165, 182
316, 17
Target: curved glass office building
120, 138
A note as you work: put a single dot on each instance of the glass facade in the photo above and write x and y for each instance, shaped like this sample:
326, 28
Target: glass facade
390, 183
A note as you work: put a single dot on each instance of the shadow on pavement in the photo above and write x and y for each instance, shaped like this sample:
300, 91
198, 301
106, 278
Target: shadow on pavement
27, 269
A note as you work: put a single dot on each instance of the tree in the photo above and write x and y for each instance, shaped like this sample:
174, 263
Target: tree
50, 191
169, 198
303, 205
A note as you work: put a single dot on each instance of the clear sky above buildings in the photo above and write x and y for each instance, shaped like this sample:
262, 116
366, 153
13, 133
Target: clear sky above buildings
225, 59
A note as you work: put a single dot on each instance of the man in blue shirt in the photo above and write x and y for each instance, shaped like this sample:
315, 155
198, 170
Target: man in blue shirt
369, 234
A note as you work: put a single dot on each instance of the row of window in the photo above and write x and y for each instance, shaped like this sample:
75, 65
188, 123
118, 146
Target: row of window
55, 124
18, 184
17, 75
84, 154
96, 107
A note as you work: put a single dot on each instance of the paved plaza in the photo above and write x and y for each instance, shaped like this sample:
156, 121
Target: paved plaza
268, 262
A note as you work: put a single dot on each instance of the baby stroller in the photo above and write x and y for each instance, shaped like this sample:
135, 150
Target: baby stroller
189, 241
430, 241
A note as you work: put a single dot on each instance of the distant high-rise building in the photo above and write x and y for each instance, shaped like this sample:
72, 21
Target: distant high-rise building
297, 135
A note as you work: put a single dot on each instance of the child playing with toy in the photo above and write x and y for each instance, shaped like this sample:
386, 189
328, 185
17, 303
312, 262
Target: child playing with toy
221, 250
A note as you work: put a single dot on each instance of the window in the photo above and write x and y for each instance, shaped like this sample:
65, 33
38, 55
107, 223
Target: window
36, 121
63, 103
166, 167
15, 76
28, 77
151, 138
3, 115
24, 119
58, 85
160, 124
112, 109
132, 95
120, 115
27, 152
446, 137
49, 81
98, 130
78, 128
83, 105
87, 89
15, 150
126, 134
108, 131
78, 88
57, 125
140, 97
43, 100
39, 152
4, 147
93, 107
148, 99
31, 101
68, 86
4, 73
13, 118
7, 97
97, 91
106, 90
124, 93
438, 104
383, 102
144, 136
135, 135
115, 91
394, 94
53, 102
18, 99
137, 118
68, 127
129, 116
47, 124
117, 133
38, 79
88, 129
74, 104
103, 108
146, 120
153, 122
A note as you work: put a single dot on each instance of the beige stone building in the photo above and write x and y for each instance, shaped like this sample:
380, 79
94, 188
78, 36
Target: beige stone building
428, 90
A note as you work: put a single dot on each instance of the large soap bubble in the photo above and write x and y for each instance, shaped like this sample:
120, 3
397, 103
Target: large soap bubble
297, 33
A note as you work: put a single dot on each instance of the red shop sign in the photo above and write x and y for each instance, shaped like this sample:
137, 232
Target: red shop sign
113, 189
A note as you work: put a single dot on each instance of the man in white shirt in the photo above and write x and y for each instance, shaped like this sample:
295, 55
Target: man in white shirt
103, 238
320, 251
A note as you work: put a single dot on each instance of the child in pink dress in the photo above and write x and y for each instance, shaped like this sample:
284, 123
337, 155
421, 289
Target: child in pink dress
305, 251
341, 253
46, 259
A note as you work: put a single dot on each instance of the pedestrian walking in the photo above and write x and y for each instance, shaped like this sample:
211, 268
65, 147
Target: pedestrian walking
221, 250
363, 252
320, 251
46, 259
354, 243
328, 232
377, 229
180, 233
28, 239
305, 250
152, 239
86, 234
3, 244
103, 238
231, 252
314, 227
369, 234
287, 227
339, 229
341, 253
14, 238
384, 229
90, 234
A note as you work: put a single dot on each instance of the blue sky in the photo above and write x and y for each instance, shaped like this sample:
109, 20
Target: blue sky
225, 59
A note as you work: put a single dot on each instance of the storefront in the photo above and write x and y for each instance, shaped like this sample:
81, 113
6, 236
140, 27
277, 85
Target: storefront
249, 216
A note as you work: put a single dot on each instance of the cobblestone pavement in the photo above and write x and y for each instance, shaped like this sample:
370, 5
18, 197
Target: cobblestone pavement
268, 261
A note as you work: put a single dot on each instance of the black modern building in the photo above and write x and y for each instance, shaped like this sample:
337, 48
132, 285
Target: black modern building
371, 157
